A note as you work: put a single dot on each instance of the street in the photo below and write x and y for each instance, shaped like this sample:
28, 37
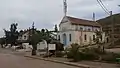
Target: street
8, 60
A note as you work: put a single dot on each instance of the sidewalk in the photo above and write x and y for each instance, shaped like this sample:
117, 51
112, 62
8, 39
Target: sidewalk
83, 64
62, 62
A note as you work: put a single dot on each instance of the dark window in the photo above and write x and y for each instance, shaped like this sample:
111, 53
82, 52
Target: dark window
70, 37
93, 37
24, 37
89, 29
85, 37
59, 37
101, 37
81, 28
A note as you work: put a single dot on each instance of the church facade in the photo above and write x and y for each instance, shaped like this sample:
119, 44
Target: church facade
80, 31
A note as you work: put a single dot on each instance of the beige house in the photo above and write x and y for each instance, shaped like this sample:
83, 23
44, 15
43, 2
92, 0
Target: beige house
80, 31
24, 36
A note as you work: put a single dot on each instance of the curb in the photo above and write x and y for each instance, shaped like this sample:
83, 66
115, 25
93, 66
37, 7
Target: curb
56, 61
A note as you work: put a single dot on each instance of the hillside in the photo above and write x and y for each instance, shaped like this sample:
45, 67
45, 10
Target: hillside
107, 20
106, 24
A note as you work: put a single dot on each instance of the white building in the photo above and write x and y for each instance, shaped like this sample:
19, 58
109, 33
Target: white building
80, 31
24, 36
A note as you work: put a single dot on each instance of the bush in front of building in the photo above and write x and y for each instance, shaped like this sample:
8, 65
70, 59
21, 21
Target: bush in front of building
73, 52
60, 54
77, 53
89, 54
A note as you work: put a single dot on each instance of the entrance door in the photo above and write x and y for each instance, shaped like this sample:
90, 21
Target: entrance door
64, 39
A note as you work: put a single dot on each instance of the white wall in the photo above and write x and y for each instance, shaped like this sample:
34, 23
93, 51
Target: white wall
79, 37
67, 28
73, 40
85, 28
23, 36
89, 37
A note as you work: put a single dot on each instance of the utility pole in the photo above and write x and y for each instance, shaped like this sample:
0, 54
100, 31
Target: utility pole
112, 28
33, 41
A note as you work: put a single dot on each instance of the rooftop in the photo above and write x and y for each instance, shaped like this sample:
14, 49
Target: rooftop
84, 22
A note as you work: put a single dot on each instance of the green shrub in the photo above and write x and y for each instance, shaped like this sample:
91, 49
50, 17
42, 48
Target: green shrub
59, 54
89, 56
73, 52
84, 54
92, 53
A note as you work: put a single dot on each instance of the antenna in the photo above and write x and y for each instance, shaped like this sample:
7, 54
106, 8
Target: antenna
65, 7
93, 16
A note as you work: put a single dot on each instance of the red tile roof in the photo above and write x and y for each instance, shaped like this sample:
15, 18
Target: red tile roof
84, 22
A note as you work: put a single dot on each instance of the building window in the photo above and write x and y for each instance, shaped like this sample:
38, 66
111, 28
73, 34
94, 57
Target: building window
69, 37
101, 37
76, 27
89, 29
24, 37
93, 37
85, 37
59, 37
81, 28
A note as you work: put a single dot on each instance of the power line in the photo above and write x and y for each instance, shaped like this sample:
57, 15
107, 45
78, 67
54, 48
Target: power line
109, 13
103, 7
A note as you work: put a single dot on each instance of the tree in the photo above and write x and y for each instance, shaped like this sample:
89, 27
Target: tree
21, 31
7, 36
2, 41
56, 29
12, 35
98, 40
35, 39
38, 36
47, 35
74, 52
98, 37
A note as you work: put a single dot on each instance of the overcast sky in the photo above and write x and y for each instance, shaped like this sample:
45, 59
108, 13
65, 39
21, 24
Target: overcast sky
47, 13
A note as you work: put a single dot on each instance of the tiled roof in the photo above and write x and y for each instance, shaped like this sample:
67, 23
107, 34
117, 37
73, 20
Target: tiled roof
82, 22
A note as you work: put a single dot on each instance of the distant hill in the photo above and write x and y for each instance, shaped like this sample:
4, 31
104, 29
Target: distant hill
107, 21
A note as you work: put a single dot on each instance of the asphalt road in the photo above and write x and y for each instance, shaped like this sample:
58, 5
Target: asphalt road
8, 60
